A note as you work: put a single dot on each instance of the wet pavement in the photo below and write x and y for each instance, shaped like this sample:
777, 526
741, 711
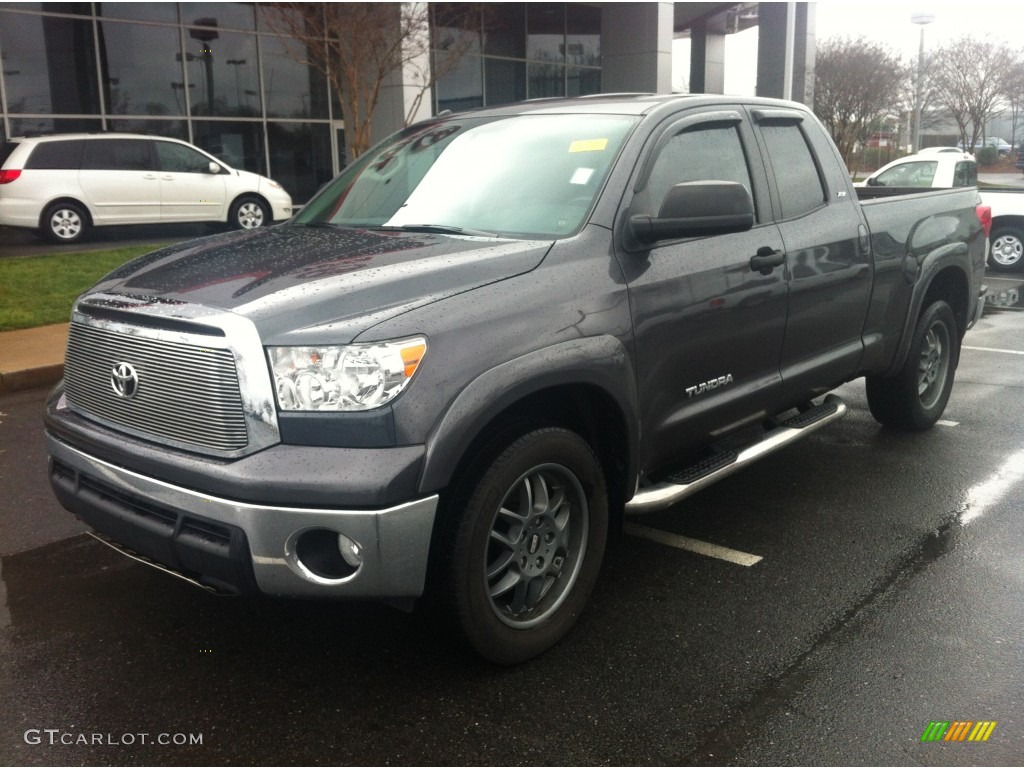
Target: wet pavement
890, 595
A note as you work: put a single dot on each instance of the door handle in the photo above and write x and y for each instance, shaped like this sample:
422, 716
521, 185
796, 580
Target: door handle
149, 177
766, 260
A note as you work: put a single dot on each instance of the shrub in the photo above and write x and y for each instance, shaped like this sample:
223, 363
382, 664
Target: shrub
987, 155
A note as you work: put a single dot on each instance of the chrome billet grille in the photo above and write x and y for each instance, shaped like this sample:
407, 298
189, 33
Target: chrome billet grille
186, 393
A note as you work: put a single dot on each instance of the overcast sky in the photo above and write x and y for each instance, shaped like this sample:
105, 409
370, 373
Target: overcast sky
887, 23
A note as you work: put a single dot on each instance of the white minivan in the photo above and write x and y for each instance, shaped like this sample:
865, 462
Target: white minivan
64, 184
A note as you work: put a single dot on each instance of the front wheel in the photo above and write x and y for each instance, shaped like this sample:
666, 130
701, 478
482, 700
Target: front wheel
1007, 249
526, 544
916, 396
249, 213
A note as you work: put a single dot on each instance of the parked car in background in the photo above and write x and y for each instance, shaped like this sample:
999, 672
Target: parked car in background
1000, 145
63, 185
958, 169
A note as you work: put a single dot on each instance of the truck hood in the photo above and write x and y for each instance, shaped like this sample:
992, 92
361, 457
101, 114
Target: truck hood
306, 285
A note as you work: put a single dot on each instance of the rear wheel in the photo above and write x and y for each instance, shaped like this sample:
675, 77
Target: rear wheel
915, 397
64, 222
1007, 248
527, 537
249, 213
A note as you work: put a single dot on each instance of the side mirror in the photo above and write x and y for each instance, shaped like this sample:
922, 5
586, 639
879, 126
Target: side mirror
697, 209
213, 167
872, 182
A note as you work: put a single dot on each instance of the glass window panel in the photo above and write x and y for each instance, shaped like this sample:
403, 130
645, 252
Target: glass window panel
174, 129
56, 156
164, 12
456, 26
583, 35
238, 144
142, 69
300, 157
582, 82
25, 126
545, 32
223, 73
79, 9
292, 89
49, 64
545, 80
462, 88
796, 174
505, 29
707, 154
221, 15
506, 80
118, 155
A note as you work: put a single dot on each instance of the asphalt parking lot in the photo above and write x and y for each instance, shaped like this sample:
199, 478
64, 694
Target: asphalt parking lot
882, 592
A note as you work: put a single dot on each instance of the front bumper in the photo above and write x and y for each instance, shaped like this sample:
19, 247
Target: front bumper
236, 546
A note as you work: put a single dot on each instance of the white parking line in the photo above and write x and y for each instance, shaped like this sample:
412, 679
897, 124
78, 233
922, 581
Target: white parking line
1009, 279
991, 349
947, 423
691, 545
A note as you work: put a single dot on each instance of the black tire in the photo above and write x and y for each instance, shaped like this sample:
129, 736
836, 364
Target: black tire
915, 398
1006, 248
524, 543
64, 222
249, 212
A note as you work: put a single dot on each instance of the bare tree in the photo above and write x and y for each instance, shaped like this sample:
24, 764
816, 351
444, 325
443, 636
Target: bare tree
971, 77
857, 83
361, 48
1014, 95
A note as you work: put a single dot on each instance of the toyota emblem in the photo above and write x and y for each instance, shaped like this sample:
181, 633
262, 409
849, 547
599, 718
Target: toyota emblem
125, 380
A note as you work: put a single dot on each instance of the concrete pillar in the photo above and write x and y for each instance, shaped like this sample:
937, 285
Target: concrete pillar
400, 90
636, 47
785, 51
707, 59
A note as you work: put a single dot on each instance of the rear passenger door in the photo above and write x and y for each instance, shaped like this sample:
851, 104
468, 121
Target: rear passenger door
827, 253
119, 181
708, 325
189, 192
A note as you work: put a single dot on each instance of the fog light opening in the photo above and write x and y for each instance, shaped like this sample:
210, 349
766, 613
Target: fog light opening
327, 554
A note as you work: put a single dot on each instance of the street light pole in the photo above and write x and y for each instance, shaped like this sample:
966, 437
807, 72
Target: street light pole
922, 20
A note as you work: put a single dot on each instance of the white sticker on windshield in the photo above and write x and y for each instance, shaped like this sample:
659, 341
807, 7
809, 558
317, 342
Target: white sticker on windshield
582, 176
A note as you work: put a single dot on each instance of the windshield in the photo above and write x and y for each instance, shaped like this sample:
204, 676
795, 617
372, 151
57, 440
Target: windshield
520, 176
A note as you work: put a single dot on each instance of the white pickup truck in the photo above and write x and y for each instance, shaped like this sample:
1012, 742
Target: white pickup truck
943, 168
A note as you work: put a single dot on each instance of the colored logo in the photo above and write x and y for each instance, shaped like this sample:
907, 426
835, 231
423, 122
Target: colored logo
958, 730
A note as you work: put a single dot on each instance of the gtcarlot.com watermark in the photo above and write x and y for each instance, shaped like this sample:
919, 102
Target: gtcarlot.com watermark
67, 737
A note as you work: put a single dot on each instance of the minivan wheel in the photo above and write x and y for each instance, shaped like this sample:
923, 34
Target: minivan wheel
64, 223
527, 537
249, 213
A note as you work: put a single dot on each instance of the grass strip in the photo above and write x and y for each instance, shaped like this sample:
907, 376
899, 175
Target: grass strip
39, 290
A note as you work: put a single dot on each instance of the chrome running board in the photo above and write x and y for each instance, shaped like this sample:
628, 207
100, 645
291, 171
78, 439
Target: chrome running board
699, 476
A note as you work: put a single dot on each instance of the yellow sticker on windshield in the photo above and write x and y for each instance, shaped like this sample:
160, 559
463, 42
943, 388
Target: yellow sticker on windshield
588, 145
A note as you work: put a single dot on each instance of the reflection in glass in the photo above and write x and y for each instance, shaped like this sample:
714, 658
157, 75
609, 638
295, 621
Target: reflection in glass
164, 12
505, 30
545, 32
583, 35
174, 129
239, 144
292, 89
506, 81
79, 9
463, 87
454, 28
545, 80
300, 157
49, 64
222, 67
221, 15
582, 82
141, 65
20, 126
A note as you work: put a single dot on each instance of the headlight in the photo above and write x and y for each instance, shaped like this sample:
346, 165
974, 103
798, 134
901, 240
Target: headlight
356, 377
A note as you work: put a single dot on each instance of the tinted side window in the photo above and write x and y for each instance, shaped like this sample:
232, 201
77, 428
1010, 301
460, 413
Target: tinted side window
180, 159
965, 175
117, 155
701, 154
56, 155
796, 174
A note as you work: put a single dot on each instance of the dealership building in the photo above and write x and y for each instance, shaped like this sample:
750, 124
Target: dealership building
217, 75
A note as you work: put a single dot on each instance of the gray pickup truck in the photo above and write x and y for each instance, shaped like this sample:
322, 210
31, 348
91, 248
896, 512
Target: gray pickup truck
489, 339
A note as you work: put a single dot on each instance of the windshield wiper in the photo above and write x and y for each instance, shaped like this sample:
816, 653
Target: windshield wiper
441, 229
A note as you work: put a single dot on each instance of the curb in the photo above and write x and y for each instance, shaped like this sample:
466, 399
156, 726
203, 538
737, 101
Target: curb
14, 381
